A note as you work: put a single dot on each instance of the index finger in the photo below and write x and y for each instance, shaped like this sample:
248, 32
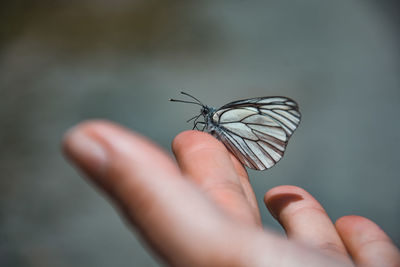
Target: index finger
206, 161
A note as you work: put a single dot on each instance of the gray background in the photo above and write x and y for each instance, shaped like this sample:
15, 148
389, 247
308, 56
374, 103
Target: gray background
62, 62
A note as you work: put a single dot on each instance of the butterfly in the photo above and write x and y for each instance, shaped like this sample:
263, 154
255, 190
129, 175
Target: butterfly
255, 130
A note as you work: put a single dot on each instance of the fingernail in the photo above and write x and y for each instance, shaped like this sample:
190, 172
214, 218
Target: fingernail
85, 151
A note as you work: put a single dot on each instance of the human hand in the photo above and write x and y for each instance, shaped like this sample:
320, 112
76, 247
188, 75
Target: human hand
202, 211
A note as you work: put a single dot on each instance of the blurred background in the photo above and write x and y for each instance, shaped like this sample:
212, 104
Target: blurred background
62, 62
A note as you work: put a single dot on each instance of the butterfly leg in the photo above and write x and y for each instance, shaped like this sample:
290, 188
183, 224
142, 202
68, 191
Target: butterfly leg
194, 118
199, 122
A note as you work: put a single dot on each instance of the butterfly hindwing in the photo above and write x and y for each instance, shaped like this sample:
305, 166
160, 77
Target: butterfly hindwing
257, 130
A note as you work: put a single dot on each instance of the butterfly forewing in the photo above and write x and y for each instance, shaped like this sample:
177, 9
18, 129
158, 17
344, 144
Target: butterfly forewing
257, 130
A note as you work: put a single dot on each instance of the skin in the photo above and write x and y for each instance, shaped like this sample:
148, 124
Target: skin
200, 210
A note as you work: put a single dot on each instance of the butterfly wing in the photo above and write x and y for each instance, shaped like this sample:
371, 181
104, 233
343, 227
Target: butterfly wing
257, 130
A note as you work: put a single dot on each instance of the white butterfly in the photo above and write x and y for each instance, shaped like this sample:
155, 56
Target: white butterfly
255, 130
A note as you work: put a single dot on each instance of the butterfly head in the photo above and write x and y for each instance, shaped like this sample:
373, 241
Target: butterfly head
205, 111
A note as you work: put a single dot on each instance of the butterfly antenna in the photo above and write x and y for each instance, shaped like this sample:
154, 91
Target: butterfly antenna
198, 102
184, 101
183, 93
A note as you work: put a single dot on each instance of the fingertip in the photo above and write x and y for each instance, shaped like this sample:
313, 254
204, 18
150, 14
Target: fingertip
81, 143
88, 127
190, 138
200, 151
278, 198
183, 138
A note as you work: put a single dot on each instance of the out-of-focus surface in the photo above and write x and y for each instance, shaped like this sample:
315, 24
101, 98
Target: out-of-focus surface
62, 62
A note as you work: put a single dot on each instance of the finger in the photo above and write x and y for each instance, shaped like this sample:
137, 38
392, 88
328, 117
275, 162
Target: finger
367, 243
304, 219
206, 161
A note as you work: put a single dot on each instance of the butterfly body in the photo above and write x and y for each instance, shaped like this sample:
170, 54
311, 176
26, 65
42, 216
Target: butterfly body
255, 130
